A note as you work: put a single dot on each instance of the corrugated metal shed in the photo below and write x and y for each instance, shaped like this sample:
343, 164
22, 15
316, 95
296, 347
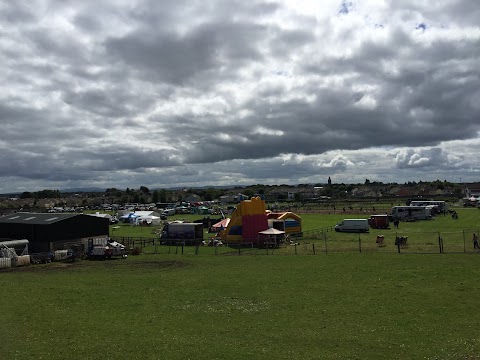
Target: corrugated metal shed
47, 231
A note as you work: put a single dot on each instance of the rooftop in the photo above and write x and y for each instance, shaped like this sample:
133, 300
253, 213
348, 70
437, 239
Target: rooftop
34, 218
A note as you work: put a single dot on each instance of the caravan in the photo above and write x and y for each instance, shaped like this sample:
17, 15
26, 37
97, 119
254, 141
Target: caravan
442, 206
411, 213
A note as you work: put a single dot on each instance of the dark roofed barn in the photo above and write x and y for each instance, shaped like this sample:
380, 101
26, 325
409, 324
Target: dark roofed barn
49, 231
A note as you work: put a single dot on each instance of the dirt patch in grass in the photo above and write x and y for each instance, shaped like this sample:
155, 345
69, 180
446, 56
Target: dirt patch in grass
168, 264
143, 265
107, 264
39, 267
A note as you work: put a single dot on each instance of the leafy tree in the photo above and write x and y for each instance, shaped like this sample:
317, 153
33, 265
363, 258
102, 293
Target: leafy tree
155, 196
114, 192
136, 198
26, 195
163, 195
248, 192
144, 189
328, 191
47, 194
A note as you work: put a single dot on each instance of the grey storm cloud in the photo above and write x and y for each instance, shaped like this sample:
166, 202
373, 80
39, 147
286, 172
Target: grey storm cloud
178, 92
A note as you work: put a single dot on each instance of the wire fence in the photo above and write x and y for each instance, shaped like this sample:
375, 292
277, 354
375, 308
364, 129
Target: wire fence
318, 242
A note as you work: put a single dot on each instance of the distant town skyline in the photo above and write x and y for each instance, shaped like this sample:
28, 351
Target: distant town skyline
185, 94
319, 185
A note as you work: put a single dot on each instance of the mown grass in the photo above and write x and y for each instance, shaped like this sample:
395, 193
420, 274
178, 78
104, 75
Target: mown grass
340, 306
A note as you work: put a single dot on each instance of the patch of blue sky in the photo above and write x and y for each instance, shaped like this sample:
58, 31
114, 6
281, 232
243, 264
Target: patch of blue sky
346, 7
421, 26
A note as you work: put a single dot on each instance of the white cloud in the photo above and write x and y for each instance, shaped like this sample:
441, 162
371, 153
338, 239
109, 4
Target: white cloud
338, 162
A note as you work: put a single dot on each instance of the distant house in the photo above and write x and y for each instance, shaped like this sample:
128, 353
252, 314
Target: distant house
309, 193
427, 191
404, 191
472, 190
366, 191
280, 193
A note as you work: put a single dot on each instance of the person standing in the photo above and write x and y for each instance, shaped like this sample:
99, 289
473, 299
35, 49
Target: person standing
475, 241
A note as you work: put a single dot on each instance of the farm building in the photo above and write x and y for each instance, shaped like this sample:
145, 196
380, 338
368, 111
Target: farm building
46, 231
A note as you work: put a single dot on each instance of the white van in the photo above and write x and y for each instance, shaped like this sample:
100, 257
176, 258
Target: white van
353, 225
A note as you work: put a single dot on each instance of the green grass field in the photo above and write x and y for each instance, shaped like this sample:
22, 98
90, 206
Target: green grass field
340, 306
377, 304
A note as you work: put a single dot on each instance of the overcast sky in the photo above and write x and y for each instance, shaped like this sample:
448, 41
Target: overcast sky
165, 93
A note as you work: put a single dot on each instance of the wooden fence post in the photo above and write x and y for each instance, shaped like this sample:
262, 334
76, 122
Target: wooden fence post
440, 243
